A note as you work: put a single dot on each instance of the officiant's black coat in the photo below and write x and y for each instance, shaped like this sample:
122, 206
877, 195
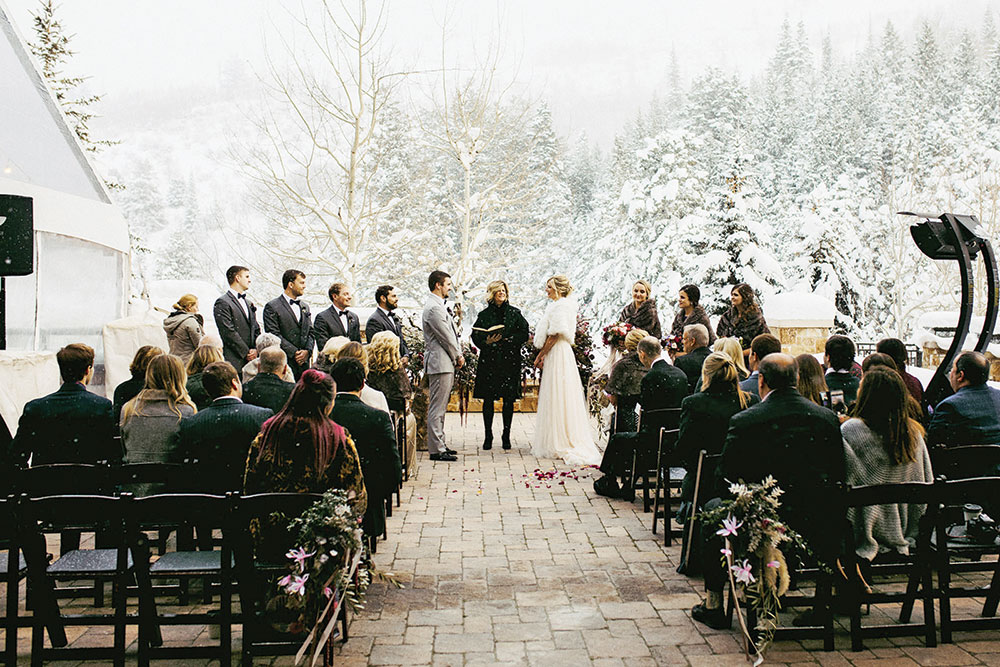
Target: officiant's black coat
498, 374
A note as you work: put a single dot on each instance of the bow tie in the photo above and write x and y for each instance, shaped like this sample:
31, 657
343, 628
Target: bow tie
294, 302
241, 296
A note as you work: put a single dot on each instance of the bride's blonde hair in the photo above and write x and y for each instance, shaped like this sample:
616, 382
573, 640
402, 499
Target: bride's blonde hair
561, 283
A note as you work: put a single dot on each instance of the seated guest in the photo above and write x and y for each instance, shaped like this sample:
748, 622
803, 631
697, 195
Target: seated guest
371, 431
798, 443
760, 347
883, 445
264, 341
839, 359
878, 360
811, 382
896, 349
71, 425
386, 372
625, 383
150, 421
689, 312
744, 319
202, 357
130, 388
369, 395
327, 357
219, 436
267, 389
731, 346
663, 386
970, 416
695, 351
301, 450
184, 327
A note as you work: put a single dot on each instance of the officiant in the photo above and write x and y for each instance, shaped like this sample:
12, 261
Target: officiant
500, 332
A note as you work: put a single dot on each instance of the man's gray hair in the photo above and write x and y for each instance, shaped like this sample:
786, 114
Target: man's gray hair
650, 346
266, 340
273, 360
698, 333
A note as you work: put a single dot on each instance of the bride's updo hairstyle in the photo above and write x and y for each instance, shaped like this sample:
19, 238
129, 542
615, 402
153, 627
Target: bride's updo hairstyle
633, 338
493, 287
561, 283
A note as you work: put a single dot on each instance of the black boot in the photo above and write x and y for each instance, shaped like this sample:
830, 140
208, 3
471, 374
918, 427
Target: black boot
508, 418
488, 424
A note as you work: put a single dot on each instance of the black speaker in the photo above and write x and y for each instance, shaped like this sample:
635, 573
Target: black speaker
17, 237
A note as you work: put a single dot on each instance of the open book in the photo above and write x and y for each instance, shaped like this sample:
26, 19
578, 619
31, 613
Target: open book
492, 330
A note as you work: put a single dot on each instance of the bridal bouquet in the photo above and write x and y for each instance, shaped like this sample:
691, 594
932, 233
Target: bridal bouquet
673, 344
614, 335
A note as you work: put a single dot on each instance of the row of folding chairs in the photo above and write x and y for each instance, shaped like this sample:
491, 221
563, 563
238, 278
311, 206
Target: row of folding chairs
123, 559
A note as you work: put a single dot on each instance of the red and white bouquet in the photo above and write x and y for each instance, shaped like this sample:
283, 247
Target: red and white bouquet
614, 335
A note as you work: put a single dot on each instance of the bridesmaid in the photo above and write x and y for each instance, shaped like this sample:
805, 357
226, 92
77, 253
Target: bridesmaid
641, 313
744, 319
689, 311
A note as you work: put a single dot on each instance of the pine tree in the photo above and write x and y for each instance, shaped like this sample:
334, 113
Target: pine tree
182, 259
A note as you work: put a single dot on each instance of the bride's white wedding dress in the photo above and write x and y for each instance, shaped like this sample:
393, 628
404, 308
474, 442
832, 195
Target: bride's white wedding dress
562, 425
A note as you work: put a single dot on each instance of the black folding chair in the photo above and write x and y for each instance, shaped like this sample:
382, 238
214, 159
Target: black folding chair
14, 568
40, 516
216, 565
668, 479
645, 464
704, 484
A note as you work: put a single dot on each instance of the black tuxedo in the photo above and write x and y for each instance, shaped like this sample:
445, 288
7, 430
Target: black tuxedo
238, 333
267, 390
219, 438
295, 333
71, 425
374, 438
691, 364
798, 443
328, 325
379, 321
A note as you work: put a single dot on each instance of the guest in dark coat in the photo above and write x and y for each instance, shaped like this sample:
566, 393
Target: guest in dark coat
838, 359
385, 319
288, 318
236, 317
219, 436
690, 312
896, 349
970, 416
641, 313
373, 436
798, 443
498, 374
71, 425
663, 386
337, 320
744, 319
625, 383
202, 357
696, 350
130, 388
760, 347
267, 389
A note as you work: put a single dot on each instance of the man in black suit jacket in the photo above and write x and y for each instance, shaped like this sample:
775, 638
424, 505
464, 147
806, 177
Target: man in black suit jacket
236, 317
695, 342
374, 438
71, 425
267, 389
384, 319
337, 320
970, 416
219, 436
798, 443
288, 318
664, 386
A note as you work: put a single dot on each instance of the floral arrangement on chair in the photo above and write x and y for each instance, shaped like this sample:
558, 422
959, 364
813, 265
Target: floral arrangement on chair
754, 537
614, 335
328, 541
465, 378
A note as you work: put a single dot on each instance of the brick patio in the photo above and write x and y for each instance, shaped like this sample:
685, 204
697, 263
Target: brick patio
498, 568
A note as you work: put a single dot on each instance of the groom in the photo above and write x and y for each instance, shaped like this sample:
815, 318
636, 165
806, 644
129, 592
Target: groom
442, 355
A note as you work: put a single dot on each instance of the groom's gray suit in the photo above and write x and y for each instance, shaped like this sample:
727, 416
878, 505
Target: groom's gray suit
441, 352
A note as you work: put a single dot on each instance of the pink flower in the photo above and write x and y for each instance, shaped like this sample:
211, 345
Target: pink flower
743, 573
284, 581
328, 593
729, 526
725, 552
298, 585
774, 564
299, 556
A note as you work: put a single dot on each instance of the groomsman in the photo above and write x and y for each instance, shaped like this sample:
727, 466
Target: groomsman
384, 319
288, 318
337, 320
442, 355
236, 318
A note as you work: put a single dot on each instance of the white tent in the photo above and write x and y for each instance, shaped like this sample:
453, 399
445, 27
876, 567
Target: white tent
81, 253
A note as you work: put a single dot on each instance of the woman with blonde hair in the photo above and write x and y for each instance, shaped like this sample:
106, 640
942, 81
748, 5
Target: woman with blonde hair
625, 384
369, 395
641, 313
732, 347
500, 331
203, 356
328, 355
151, 420
385, 369
811, 383
184, 327
562, 424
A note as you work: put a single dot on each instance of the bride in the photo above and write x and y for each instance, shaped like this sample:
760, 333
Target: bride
562, 426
